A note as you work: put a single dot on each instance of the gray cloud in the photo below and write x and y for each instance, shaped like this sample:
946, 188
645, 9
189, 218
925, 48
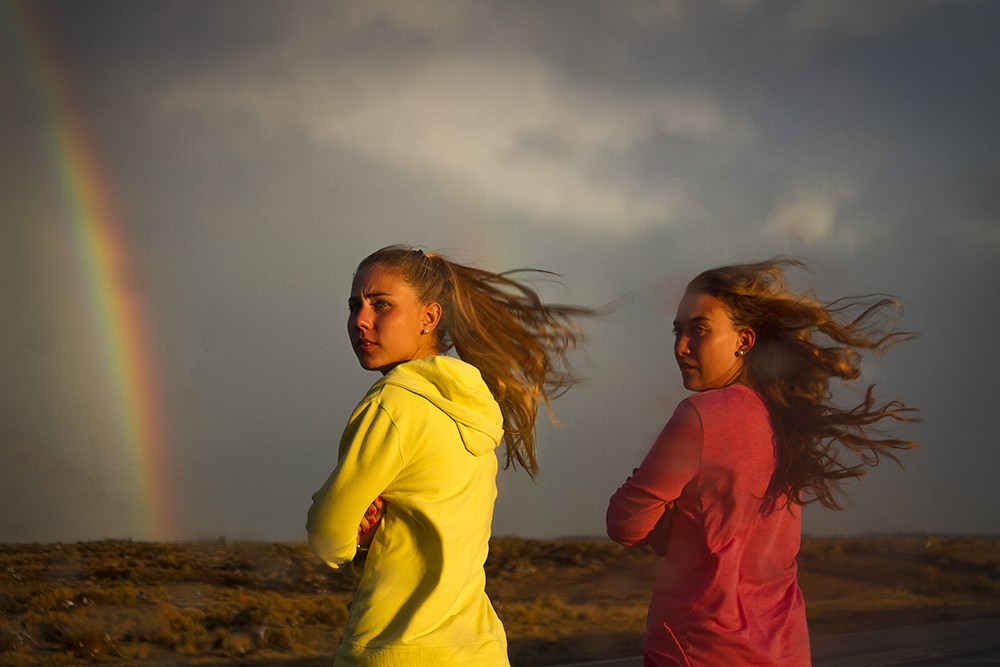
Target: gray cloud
256, 155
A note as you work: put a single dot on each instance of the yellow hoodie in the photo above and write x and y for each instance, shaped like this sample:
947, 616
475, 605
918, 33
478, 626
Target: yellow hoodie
422, 438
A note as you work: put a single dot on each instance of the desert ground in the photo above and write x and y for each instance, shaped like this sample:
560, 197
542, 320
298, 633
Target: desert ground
275, 605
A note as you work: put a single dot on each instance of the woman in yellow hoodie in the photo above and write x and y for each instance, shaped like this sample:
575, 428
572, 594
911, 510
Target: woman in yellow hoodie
422, 442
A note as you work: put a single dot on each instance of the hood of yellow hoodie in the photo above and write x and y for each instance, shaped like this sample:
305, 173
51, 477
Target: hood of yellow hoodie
456, 388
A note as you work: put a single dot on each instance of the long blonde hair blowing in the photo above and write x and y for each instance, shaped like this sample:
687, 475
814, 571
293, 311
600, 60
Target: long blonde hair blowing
801, 344
501, 326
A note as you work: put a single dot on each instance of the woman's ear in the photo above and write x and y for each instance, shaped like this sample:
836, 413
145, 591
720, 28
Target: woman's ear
747, 338
431, 316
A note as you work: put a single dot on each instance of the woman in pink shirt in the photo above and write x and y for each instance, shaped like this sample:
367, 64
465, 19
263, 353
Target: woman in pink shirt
719, 494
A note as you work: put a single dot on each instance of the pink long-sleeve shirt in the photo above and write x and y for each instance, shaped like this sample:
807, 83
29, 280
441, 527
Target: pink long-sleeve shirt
727, 593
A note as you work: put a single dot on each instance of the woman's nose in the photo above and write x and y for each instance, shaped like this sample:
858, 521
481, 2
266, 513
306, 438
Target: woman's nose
681, 346
360, 320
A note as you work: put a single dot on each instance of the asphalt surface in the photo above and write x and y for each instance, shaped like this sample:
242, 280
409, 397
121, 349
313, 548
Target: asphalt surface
932, 645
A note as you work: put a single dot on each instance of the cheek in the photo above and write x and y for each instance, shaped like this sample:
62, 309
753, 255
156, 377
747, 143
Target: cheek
719, 352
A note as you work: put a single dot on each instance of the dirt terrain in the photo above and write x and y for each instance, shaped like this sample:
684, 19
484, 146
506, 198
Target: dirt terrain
275, 605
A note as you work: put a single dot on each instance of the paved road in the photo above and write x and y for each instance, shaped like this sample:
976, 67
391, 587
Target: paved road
932, 645
927, 644
990, 656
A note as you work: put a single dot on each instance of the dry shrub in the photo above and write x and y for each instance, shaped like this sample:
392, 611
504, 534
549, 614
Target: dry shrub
118, 593
83, 635
58, 598
327, 610
234, 643
279, 639
550, 616
13, 639
560, 600
154, 626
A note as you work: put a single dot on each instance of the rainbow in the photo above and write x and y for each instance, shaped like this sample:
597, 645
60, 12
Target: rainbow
88, 207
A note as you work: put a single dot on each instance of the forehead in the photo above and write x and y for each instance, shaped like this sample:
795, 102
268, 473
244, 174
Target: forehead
381, 280
696, 305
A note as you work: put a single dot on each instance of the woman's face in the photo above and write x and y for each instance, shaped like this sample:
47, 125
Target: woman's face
706, 343
388, 321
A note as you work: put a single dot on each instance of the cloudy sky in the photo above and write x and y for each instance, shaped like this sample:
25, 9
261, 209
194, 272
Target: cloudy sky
244, 156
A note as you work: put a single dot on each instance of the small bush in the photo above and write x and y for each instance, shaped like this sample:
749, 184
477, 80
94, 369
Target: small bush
234, 643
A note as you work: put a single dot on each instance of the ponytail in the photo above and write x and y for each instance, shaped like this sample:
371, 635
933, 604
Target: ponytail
499, 324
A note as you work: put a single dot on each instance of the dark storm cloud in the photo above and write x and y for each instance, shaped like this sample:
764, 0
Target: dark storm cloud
257, 151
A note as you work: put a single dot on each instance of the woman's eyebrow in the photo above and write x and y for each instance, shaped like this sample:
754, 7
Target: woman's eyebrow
368, 295
699, 318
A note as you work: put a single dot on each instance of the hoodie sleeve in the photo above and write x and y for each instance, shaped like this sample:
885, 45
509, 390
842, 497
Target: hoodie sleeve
637, 508
370, 458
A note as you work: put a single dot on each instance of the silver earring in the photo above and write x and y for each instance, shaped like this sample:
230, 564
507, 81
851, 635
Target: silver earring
740, 353
424, 332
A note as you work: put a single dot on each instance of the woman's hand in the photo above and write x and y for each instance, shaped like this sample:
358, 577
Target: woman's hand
369, 523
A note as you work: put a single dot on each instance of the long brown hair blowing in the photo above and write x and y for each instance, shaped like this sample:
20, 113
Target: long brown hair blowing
801, 344
501, 326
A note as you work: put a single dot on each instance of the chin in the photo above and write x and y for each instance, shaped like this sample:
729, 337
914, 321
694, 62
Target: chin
367, 365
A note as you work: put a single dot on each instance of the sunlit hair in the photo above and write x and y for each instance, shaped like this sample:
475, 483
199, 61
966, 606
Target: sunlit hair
801, 344
501, 326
